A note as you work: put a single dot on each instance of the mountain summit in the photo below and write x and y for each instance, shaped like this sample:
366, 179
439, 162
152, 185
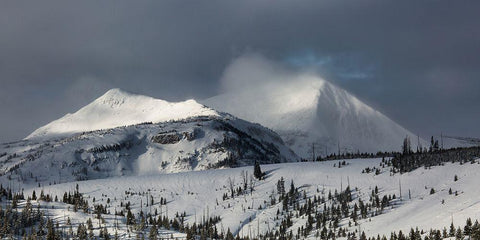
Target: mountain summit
119, 108
313, 115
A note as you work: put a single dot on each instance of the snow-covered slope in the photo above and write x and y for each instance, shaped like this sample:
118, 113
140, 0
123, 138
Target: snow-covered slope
200, 194
311, 112
118, 108
195, 143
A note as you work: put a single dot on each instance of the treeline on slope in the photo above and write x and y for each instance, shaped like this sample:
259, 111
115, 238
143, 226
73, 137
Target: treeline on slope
346, 155
350, 155
423, 154
408, 160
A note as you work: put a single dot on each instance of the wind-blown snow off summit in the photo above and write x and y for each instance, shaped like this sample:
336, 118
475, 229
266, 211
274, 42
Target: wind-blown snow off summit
305, 110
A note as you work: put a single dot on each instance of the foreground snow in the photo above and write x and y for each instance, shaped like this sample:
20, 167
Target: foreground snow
199, 194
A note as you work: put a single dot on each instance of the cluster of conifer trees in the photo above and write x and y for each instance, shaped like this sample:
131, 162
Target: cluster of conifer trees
407, 162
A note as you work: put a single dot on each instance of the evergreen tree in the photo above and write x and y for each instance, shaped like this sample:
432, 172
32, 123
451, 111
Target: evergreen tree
406, 147
281, 186
82, 232
452, 230
106, 235
229, 235
152, 235
292, 189
467, 230
459, 234
436, 146
476, 231
130, 218
50, 230
432, 143
257, 171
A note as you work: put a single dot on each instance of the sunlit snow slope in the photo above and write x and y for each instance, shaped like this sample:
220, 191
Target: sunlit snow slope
118, 108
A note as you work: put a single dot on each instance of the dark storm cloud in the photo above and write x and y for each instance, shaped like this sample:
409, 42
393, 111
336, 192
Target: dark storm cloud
417, 61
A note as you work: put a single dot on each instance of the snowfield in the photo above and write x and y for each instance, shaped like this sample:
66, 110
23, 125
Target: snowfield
200, 195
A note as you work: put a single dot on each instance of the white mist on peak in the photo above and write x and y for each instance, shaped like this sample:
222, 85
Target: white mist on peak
305, 109
119, 108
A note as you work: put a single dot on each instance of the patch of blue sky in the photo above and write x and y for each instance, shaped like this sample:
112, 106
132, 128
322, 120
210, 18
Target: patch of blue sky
345, 66
308, 59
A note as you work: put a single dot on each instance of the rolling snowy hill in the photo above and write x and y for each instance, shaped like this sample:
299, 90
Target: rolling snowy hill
311, 112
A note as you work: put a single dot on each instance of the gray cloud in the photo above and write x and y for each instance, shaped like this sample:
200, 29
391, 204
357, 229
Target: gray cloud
417, 61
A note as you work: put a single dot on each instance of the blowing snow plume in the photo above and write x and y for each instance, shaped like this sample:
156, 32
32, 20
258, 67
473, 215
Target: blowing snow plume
313, 116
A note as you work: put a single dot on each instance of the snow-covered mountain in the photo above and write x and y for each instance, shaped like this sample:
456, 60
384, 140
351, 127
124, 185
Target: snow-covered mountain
119, 108
313, 113
163, 137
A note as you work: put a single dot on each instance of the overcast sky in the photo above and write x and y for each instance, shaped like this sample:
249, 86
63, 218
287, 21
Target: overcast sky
416, 61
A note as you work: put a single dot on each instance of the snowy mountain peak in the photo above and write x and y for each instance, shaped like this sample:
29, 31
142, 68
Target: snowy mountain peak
119, 108
116, 92
309, 111
115, 97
